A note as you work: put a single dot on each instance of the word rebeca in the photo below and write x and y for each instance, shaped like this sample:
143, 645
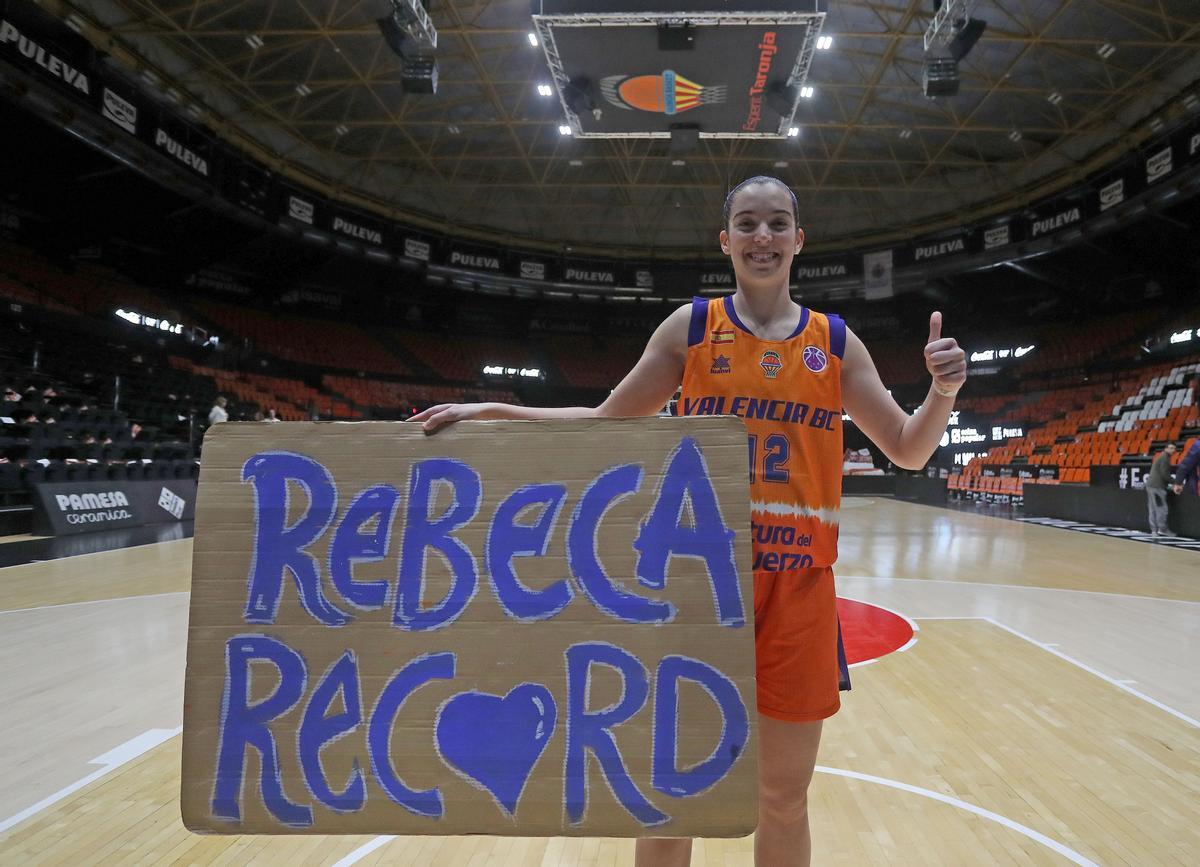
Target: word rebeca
501, 762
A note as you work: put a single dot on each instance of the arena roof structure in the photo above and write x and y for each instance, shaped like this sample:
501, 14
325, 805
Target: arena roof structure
1052, 91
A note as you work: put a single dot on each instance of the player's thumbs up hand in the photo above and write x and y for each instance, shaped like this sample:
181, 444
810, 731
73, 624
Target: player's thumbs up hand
944, 359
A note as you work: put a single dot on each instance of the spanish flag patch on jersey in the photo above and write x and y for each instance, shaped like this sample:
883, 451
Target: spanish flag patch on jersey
723, 336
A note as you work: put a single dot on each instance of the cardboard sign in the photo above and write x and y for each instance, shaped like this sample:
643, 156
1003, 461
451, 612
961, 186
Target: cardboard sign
522, 628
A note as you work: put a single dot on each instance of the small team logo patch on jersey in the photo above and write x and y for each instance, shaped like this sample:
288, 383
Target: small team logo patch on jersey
771, 363
722, 336
815, 358
720, 365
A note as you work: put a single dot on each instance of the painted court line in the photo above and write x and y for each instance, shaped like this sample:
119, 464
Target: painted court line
1052, 648
363, 851
110, 761
1070, 854
1013, 587
1136, 693
95, 601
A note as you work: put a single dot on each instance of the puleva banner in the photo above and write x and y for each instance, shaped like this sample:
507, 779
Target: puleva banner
518, 628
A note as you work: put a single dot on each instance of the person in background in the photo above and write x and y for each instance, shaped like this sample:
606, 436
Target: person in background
271, 416
1187, 474
217, 414
1156, 490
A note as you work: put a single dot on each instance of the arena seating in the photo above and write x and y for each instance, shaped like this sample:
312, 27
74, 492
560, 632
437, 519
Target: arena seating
589, 363
898, 362
403, 398
462, 359
1097, 433
322, 343
290, 398
86, 288
61, 423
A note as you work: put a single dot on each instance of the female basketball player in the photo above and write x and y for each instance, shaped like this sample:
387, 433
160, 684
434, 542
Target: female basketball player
759, 343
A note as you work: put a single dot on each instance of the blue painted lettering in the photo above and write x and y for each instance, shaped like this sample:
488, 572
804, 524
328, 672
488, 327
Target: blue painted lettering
507, 539
592, 730
421, 533
735, 728
277, 546
243, 725
379, 733
584, 561
686, 480
350, 545
317, 731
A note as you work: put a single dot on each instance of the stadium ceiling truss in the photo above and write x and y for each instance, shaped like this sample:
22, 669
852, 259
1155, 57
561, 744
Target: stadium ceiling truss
1042, 103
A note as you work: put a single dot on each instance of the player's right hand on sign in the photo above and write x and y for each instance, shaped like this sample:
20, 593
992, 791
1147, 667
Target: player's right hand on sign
437, 416
944, 359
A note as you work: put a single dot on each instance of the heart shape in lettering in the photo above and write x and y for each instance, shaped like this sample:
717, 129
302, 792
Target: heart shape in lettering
494, 742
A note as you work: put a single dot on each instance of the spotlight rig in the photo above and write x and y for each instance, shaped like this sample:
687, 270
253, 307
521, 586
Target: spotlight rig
409, 32
953, 27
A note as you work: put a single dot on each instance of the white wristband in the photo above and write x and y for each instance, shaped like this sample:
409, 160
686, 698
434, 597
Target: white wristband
950, 393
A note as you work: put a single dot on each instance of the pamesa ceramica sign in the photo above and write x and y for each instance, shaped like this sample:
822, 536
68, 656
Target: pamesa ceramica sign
721, 69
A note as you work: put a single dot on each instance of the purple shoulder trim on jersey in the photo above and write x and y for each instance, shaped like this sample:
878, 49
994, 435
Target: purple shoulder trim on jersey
803, 323
837, 334
699, 321
732, 314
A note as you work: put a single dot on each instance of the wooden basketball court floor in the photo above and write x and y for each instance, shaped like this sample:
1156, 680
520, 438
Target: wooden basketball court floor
1046, 714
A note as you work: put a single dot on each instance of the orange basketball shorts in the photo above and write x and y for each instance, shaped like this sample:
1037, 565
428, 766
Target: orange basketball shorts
800, 663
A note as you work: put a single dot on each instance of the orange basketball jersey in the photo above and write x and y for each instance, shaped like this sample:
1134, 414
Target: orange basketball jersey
789, 394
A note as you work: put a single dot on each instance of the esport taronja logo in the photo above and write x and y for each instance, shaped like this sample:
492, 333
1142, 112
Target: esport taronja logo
771, 363
668, 93
815, 358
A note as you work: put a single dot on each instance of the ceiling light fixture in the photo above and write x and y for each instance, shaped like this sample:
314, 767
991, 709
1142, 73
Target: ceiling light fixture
545, 90
303, 89
341, 129
254, 41
563, 129
781, 164
906, 133
824, 43
793, 131
1014, 135
806, 92
1055, 98
1106, 50
576, 163
532, 37
678, 163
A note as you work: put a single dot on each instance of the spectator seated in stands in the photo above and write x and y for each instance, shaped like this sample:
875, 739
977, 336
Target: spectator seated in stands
271, 416
218, 413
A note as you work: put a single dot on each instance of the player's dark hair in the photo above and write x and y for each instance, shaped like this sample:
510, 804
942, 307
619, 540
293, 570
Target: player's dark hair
726, 211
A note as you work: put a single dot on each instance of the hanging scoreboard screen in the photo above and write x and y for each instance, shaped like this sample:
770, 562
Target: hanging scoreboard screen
715, 70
